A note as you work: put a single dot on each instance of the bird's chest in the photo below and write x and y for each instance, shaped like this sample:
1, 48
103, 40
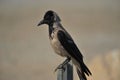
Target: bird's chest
56, 45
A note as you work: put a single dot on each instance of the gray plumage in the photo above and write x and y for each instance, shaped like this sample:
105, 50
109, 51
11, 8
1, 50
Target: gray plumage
63, 44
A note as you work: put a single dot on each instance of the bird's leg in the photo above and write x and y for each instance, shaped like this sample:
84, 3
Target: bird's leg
61, 66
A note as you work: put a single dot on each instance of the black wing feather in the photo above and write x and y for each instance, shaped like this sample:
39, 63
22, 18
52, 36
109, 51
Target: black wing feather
70, 46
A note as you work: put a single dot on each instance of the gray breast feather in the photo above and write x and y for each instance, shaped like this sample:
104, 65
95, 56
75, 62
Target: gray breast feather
56, 45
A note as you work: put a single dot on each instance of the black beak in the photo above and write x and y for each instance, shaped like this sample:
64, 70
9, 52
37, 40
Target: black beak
41, 22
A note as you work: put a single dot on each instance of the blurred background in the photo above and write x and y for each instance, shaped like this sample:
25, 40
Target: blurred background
25, 51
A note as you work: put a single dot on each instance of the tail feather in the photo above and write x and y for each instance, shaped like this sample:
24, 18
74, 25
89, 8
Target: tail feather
85, 69
82, 71
81, 75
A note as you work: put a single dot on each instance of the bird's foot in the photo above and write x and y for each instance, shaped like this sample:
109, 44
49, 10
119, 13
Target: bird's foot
61, 66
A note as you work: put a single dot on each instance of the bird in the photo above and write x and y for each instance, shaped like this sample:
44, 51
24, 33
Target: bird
63, 44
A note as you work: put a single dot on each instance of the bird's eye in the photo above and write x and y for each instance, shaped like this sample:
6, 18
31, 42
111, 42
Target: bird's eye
48, 17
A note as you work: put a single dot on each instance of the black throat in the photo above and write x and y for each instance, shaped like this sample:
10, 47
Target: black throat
51, 29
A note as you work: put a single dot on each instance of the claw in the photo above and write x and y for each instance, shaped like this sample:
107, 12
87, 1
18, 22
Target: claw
61, 66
